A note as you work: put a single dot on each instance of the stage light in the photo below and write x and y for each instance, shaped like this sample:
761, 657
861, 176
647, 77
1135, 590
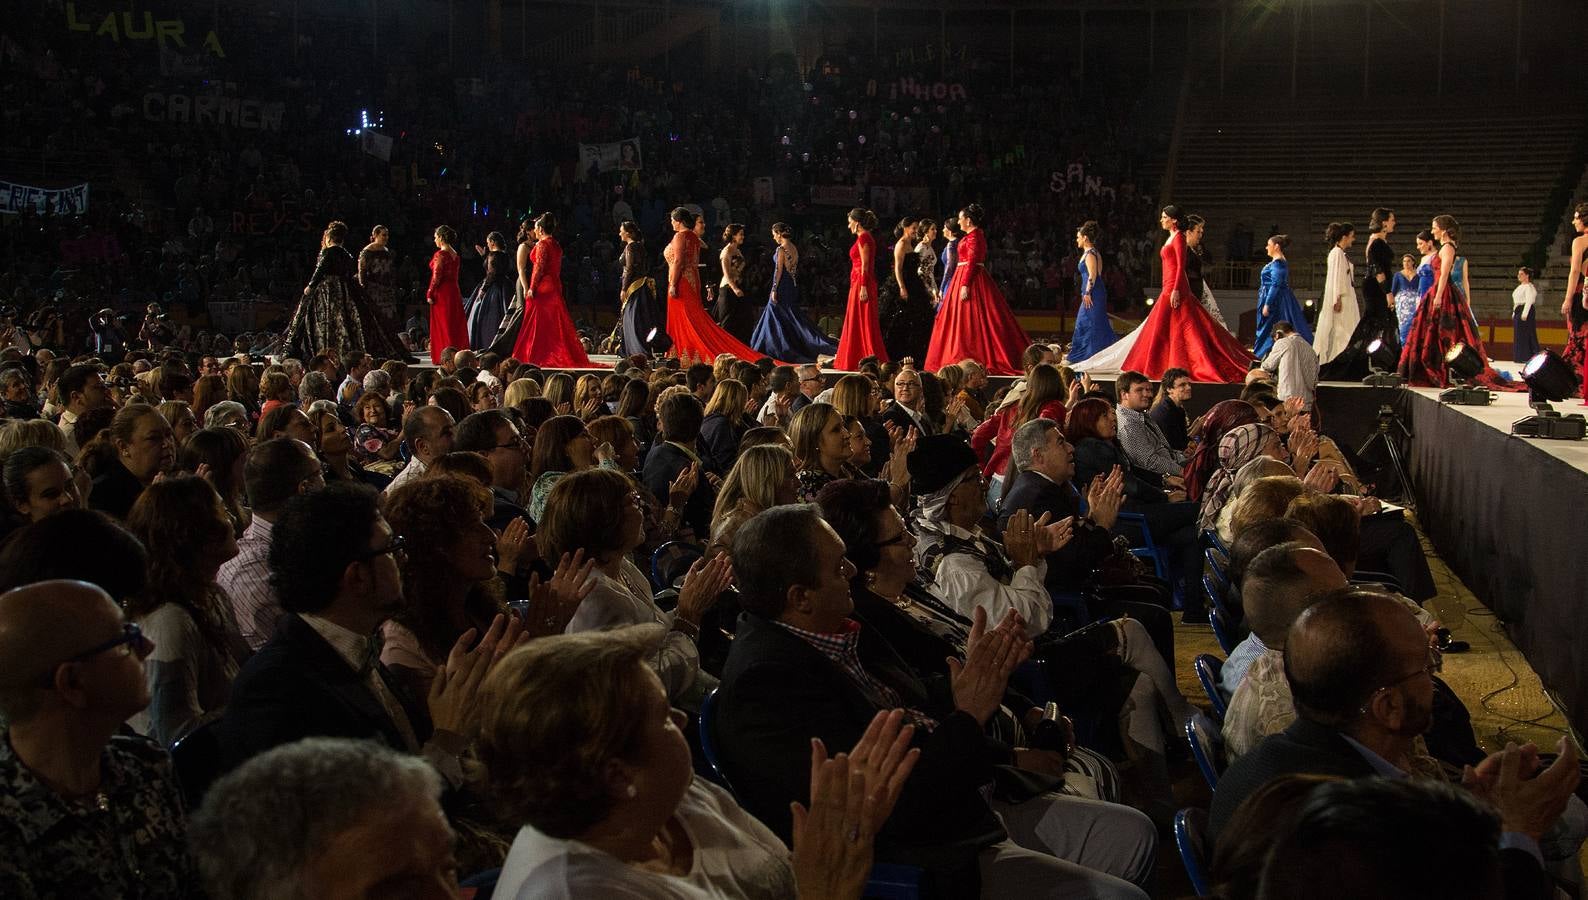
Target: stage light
657, 341
1381, 363
1548, 424
1549, 378
1464, 362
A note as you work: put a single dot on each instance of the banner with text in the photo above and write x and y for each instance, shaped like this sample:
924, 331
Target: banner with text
615, 156
67, 201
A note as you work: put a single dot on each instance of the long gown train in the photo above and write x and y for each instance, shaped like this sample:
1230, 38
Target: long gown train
690, 327
1432, 335
783, 332
1184, 336
979, 326
548, 337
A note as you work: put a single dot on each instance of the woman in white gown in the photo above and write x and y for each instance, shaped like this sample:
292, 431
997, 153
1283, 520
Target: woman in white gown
1338, 311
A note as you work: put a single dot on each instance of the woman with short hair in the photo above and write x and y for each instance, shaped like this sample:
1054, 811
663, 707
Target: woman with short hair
582, 748
136, 448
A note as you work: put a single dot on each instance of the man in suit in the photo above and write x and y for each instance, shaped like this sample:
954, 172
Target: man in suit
493, 435
680, 416
800, 668
810, 381
334, 562
1359, 672
908, 409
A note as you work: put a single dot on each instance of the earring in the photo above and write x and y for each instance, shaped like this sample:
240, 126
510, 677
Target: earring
871, 579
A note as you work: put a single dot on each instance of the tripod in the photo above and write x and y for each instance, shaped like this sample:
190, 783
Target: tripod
1388, 424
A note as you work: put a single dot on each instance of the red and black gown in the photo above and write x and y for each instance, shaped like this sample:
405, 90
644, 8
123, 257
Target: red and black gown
1575, 353
981, 326
448, 328
548, 337
1184, 336
862, 334
1434, 332
692, 330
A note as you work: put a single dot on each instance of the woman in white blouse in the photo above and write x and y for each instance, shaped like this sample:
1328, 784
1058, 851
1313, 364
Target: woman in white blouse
1338, 312
582, 749
599, 511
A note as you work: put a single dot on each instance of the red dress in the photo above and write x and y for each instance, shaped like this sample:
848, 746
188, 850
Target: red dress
447, 326
547, 338
1184, 337
688, 324
862, 334
1434, 332
981, 326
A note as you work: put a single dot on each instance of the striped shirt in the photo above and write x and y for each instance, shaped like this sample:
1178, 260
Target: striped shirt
843, 649
246, 579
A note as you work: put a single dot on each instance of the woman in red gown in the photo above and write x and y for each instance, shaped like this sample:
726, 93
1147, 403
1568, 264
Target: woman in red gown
1179, 333
690, 327
862, 334
974, 321
547, 338
1444, 320
447, 325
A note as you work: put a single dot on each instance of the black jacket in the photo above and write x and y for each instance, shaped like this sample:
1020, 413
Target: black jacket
662, 465
778, 692
1095, 456
897, 416
297, 686
115, 491
1308, 748
1069, 567
718, 444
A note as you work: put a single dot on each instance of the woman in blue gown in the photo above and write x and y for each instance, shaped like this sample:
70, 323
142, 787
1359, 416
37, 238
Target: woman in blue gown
783, 331
1276, 302
488, 305
1093, 331
950, 258
643, 309
1425, 278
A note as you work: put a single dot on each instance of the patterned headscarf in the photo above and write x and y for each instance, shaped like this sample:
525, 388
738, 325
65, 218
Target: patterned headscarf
1237, 448
1205, 461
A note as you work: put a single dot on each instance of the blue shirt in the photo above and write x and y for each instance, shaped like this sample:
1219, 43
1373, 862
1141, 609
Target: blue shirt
1241, 659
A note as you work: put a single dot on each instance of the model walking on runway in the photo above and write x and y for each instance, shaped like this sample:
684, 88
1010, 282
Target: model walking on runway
642, 308
908, 311
1337, 309
1443, 321
1179, 333
548, 337
862, 334
1195, 256
1093, 331
783, 331
975, 321
1575, 307
334, 314
447, 327
488, 305
691, 328
1276, 302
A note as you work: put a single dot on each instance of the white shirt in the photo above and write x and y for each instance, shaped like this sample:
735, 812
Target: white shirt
735, 857
1523, 298
626, 600
1295, 363
416, 467
964, 583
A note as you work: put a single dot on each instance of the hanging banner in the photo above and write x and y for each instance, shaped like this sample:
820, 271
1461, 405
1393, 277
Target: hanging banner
616, 156
376, 144
213, 109
68, 201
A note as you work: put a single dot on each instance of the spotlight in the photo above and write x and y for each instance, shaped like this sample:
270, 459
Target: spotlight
657, 341
1549, 378
1381, 363
1549, 424
1465, 363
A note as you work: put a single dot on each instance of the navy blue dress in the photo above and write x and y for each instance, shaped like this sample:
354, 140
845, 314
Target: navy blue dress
644, 309
783, 332
1093, 331
488, 305
1274, 293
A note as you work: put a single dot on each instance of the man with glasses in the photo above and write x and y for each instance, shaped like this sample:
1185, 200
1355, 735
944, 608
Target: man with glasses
335, 564
90, 809
909, 404
810, 379
276, 471
1358, 666
492, 434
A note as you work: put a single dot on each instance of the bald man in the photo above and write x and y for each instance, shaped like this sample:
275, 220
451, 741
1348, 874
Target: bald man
89, 812
429, 431
1359, 670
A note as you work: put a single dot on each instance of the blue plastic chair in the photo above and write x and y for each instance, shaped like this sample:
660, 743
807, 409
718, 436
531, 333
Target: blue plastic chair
1190, 836
1207, 746
1149, 548
708, 738
1216, 568
1208, 668
671, 560
1221, 631
1211, 539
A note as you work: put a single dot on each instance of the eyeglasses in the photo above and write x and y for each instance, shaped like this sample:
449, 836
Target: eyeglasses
1430, 668
397, 545
812, 378
131, 635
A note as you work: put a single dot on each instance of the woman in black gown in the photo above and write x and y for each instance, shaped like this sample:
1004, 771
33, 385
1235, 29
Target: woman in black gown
643, 309
335, 315
485, 310
1378, 320
907, 312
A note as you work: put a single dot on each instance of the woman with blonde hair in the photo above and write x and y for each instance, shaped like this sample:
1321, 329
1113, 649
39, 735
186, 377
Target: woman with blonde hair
558, 390
821, 444
519, 390
762, 478
242, 386
589, 398
724, 424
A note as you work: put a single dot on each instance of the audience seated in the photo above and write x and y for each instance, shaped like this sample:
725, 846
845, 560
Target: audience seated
135, 448
800, 667
724, 423
1145, 443
429, 433
1042, 397
276, 471
674, 457
93, 811
763, 477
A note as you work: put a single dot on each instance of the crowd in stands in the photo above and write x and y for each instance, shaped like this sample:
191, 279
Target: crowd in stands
194, 214
330, 627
